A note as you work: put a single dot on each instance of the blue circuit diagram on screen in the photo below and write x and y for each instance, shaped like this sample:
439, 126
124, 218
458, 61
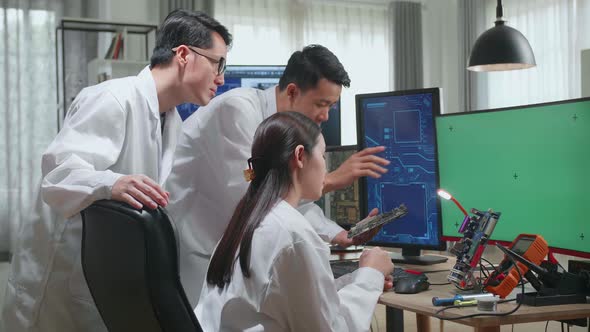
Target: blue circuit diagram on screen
404, 124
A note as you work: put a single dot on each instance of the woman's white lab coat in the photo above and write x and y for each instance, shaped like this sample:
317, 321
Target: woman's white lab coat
291, 286
112, 129
207, 178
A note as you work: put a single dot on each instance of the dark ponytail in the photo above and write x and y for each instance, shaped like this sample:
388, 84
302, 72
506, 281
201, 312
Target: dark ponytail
274, 143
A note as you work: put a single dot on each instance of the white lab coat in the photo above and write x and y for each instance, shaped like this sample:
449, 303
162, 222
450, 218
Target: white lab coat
207, 179
112, 129
291, 286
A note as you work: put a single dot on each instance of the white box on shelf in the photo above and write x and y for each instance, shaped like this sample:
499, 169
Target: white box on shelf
102, 69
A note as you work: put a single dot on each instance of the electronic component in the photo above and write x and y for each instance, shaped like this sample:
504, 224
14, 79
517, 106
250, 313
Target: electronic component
488, 303
378, 220
476, 231
576, 266
553, 287
503, 280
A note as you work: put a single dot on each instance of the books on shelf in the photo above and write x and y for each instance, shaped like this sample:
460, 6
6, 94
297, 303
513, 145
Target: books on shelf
115, 50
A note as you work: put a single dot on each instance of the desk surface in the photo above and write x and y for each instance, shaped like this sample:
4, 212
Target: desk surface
421, 303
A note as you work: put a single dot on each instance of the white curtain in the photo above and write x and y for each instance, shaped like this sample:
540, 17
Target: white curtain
166, 6
441, 51
262, 30
359, 36
28, 112
557, 30
267, 32
28, 98
406, 26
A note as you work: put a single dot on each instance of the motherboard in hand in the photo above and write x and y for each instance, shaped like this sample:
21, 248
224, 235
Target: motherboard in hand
378, 220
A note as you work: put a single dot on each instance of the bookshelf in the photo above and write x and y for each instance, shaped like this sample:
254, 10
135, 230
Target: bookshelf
100, 70
89, 51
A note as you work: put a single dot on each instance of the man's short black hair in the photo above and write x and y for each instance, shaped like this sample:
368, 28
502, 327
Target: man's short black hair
305, 68
185, 27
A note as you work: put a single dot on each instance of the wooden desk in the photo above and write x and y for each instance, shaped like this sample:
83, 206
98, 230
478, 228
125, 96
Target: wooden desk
421, 304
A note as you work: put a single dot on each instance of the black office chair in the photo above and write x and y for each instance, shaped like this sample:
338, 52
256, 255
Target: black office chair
130, 262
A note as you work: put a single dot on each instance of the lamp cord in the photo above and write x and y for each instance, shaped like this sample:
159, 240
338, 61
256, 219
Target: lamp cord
499, 11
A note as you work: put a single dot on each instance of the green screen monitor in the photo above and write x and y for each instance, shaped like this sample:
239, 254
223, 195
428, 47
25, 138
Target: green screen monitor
531, 163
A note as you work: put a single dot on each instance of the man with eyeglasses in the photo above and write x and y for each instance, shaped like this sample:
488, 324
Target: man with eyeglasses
116, 143
216, 60
206, 180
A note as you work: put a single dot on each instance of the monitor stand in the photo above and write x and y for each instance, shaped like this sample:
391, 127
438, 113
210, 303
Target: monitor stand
412, 256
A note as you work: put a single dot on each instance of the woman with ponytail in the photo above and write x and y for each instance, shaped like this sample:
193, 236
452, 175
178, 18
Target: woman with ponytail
270, 270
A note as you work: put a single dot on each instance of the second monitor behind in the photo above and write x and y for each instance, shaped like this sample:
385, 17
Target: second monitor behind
341, 206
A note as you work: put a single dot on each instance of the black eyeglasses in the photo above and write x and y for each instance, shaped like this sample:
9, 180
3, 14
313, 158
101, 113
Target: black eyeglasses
220, 62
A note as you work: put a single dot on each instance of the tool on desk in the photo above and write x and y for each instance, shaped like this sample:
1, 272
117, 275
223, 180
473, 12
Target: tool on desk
465, 303
476, 231
437, 301
505, 277
553, 287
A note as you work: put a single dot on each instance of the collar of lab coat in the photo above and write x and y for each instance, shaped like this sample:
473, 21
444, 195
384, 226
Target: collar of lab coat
270, 106
150, 92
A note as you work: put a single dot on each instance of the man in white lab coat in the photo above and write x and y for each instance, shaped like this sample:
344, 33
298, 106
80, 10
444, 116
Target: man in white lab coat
117, 143
206, 181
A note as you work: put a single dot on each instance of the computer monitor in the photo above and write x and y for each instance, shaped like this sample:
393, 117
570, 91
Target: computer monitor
403, 122
341, 206
263, 77
531, 163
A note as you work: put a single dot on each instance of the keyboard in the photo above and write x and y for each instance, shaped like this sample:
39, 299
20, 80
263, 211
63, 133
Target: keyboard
340, 268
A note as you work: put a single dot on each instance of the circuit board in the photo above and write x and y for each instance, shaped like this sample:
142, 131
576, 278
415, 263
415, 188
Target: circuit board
378, 220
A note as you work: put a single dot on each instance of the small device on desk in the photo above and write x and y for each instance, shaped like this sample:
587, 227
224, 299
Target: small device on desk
553, 287
411, 284
503, 280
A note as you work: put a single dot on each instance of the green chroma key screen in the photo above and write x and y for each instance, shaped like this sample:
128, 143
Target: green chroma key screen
530, 163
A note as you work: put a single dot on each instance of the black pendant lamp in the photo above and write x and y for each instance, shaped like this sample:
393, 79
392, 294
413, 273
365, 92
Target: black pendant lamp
501, 48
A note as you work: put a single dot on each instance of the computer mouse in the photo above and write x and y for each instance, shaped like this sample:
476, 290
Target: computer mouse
411, 285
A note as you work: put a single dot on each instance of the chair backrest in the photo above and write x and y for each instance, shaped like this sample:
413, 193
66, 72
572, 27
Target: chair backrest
130, 262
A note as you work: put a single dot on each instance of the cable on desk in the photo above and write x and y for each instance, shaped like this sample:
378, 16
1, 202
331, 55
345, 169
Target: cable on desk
436, 314
490, 263
435, 271
485, 274
442, 284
